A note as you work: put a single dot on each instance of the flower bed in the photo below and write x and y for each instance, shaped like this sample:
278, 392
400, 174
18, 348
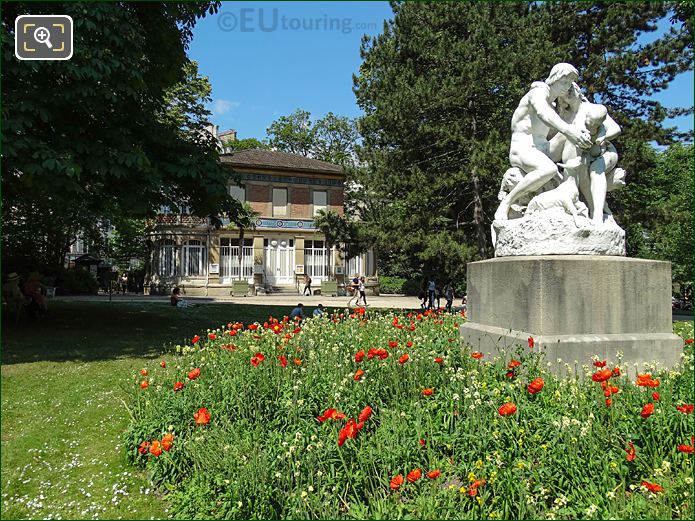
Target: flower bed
387, 416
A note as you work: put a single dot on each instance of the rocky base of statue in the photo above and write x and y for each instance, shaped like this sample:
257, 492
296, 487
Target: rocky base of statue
555, 232
575, 307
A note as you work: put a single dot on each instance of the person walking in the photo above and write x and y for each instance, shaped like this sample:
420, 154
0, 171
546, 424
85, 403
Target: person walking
354, 287
362, 290
449, 296
307, 284
431, 292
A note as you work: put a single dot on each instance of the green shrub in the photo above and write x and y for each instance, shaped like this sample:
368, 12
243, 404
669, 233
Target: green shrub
77, 281
399, 285
264, 453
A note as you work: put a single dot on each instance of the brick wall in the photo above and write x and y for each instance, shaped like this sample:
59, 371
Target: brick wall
260, 199
335, 201
300, 204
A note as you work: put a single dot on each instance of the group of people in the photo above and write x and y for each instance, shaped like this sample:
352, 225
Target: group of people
32, 297
431, 291
298, 312
356, 289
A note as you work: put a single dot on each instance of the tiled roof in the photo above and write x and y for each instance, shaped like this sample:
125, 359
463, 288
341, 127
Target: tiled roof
275, 160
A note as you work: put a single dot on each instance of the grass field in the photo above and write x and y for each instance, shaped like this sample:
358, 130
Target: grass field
63, 382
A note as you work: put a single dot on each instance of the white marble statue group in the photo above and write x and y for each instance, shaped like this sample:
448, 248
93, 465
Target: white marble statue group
541, 210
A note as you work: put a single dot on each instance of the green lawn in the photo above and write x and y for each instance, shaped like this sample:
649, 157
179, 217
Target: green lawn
63, 379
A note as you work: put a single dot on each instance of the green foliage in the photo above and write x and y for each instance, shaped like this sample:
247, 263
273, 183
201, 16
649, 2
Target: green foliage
77, 281
125, 115
392, 285
265, 455
246, 144
331, 138
656, 205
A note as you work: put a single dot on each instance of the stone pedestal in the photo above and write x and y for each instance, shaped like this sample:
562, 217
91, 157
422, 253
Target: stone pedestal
575, 306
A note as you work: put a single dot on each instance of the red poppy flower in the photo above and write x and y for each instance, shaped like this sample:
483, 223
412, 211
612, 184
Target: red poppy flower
655, 396
687, 449
507, 409
298, 361
342, 436
513, 363
349, 431
609, 402
428, 392
630, 452
600, 364
331, 414
257, 359
253, 327
422, 442
143, 371
473, 490
283, 360
393, 343
232, 332
396, 482
359, 356
212, 336
202, 417
296, 330
195, 339
358, 374
647, 410
414, 475
438, 360
404, 358
162, 364
602, 376
155, 448
616, 371
434, 474
646, 380
477, 355
365, 414
277, 328
144, 384
688, 340
536, 385
167, 441
178, 386
685, 408
531, 342
144, 447
652, 487
195, 373
509, 374
409, 343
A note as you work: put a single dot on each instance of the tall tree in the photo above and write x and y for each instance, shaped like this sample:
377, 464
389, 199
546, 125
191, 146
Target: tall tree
293, 133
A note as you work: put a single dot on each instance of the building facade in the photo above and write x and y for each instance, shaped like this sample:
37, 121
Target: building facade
286, 191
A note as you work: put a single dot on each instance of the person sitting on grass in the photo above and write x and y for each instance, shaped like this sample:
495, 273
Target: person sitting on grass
297, 312
176, 299
318, 311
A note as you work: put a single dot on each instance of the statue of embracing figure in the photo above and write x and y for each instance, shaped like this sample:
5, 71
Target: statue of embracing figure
555, 126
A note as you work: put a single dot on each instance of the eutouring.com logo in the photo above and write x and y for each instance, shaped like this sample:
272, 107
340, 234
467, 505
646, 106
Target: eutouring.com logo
259, 19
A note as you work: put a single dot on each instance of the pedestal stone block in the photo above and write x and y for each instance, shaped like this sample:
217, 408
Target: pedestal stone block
575, 306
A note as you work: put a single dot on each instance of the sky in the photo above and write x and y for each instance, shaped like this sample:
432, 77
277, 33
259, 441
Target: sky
267, 59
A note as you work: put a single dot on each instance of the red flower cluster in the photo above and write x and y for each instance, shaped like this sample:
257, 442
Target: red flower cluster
144, 384
143, 371
379, 353
630, 452
647, 410
352, 428
283, 361
473, 489
686, 408
202, 417
652, 487
477, 355
155, 447
646, 380
331, 414
359, 356
178, 386
404, 358
195, 373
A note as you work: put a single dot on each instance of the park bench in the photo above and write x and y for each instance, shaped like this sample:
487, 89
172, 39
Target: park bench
240, 288
329, 287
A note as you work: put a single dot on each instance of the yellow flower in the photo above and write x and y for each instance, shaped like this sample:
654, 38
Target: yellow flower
471, 477
544, 447
520, 465
479, 500
479, 464
462, 490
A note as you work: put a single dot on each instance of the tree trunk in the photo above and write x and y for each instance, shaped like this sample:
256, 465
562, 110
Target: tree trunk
478, 216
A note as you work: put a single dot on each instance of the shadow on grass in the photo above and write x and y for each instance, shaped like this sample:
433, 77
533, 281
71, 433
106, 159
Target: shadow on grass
74, 331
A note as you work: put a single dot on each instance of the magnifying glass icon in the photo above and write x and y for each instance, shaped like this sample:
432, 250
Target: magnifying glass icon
42, 35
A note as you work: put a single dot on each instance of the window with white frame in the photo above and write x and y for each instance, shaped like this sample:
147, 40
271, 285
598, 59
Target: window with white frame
194, 258
237, 192
229, 258
318, 260
279, 202
319, 200
167, 258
